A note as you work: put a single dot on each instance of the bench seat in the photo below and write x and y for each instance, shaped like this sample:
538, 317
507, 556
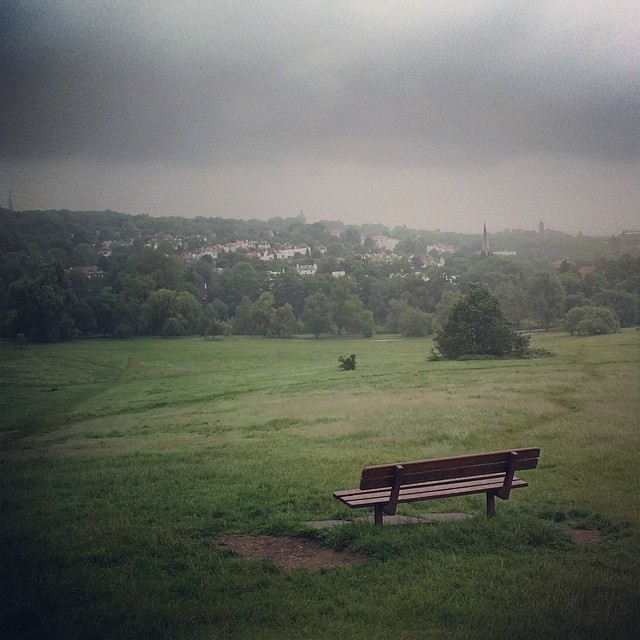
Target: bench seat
383, 487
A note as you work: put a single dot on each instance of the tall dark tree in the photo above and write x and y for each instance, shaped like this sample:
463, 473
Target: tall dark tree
261, 313
112, 314
283, 322
317, 314
546, 298
288, 288
477, 327
624, 304
42, 305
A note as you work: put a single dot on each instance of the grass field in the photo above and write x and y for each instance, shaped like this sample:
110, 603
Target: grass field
124, 461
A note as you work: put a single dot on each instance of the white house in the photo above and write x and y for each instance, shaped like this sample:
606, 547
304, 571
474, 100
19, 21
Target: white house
285, 254
307, 269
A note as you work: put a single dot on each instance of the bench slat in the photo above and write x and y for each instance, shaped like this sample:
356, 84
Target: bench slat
378, 476
356, 498
497, 477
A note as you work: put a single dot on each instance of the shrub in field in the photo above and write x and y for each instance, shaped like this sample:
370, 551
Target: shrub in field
347, 363
478, 327
591, 321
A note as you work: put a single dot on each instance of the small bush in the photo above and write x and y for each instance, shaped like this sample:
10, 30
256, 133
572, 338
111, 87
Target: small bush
591, 321
347, 363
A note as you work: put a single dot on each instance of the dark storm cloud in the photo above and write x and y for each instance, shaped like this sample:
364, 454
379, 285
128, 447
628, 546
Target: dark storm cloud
381, 82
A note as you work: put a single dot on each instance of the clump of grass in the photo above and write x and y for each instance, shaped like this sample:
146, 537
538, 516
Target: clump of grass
347, 363
585, 519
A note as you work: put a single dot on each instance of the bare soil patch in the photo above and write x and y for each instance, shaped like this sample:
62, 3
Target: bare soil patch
587, 536
290, 553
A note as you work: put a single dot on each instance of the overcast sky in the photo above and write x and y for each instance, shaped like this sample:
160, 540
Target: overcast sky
436, 114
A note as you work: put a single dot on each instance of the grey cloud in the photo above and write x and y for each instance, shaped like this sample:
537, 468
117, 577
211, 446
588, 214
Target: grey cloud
232, 81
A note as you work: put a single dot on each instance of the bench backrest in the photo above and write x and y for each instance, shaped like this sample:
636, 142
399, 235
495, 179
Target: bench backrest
494, 462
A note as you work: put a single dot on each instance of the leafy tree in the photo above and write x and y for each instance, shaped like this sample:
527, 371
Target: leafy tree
137, 287
164, 304
546, 298
335, 248
261, 312
242, 323
448, 300
407, 320
220, 309
512, 301
370, 244
83, 255
350, 316
494, 271
576, 300
477, 327
110, 311
351, 236
212, 324
283, 322
289, 288
41, 305
83, 317
240, 281
590, 321
412, 246
167, 272
160, 306
189, 308
592, 283
347, 310
317, 314
174, 326
367, 326
625, 305
397, 308
415, 323
216, 328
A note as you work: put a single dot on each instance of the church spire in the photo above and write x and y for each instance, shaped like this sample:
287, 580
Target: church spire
485, 241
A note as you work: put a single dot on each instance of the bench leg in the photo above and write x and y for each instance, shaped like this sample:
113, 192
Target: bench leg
377, 514
491, 505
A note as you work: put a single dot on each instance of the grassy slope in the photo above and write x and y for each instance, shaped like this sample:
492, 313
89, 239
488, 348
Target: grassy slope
122, 462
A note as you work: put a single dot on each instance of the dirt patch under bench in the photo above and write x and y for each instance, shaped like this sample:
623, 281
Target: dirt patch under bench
290, 553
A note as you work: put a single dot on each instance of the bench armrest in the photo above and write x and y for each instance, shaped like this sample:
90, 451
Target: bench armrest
392, 505
508, 477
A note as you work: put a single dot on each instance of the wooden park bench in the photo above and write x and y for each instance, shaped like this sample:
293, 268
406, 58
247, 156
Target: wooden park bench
385, 486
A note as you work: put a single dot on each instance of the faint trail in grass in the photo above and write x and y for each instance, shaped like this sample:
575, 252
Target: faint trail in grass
133, 364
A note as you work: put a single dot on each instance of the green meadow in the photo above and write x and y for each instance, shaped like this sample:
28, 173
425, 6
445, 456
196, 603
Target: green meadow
123, 462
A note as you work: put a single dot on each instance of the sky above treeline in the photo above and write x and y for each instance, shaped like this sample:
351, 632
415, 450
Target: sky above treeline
434, 114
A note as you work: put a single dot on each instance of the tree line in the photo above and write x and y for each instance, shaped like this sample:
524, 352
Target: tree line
137, 289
